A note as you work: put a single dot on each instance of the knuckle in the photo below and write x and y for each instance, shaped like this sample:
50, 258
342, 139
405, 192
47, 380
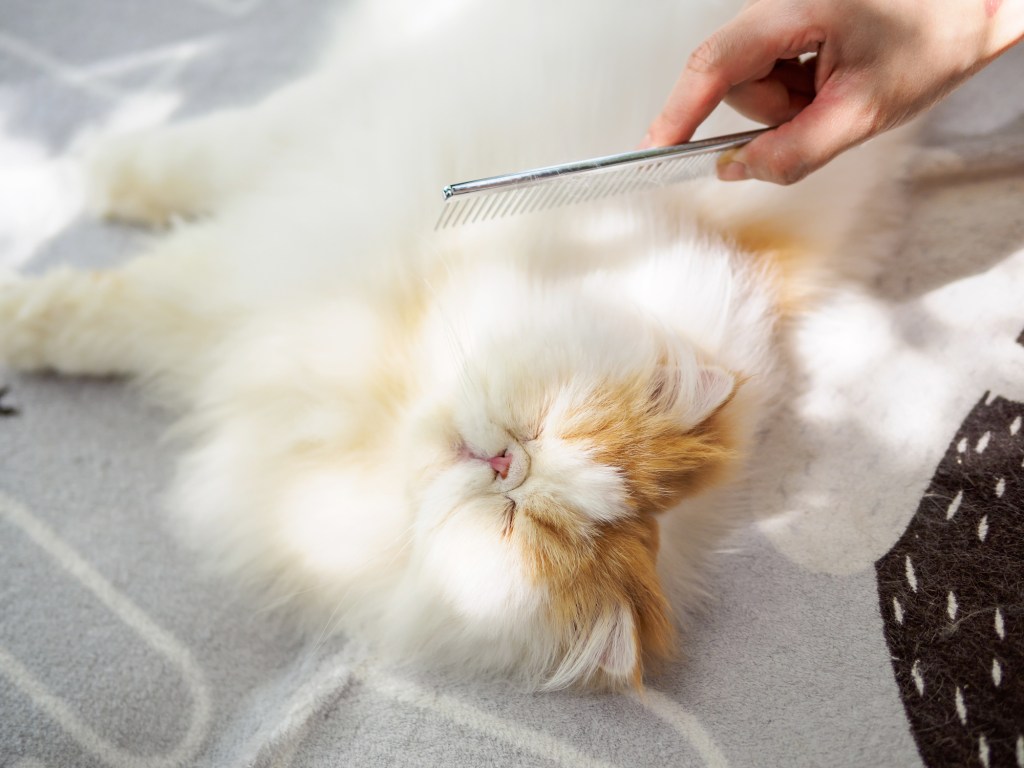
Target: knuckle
706, 57
791, 174
782, 166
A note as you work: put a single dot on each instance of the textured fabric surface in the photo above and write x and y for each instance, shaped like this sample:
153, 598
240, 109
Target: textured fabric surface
951, 591
115, 650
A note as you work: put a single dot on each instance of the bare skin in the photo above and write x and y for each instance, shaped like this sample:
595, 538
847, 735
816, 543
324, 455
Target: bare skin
831, 74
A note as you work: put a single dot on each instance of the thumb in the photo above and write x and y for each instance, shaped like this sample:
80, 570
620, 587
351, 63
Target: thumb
828, 126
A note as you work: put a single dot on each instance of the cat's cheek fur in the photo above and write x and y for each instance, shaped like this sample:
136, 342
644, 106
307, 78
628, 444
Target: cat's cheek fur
478, 571
567, 473
332, 540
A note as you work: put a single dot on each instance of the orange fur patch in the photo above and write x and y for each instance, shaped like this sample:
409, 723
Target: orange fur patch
631, 428
590, 578
660, 460
788, 259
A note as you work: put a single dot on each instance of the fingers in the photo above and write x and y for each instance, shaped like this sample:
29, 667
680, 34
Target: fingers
777, 98
746, 49
831, 124
699, 89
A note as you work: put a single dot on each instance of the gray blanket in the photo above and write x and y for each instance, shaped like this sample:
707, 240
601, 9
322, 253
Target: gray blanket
871, 618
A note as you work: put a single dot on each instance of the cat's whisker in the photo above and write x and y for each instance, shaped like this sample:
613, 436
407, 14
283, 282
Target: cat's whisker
333, 621
282, 600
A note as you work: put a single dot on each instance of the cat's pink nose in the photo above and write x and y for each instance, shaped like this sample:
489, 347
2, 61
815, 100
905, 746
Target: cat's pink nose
500, 464
510, 467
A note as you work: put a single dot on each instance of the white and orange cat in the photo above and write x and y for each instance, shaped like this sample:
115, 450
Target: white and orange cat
463, 445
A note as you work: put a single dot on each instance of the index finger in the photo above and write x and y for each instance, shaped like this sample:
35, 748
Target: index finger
744, 49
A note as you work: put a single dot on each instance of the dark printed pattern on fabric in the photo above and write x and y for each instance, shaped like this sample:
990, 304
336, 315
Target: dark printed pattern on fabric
6, 407
951, 594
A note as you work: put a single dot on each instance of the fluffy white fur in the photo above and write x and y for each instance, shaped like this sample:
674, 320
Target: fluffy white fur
346, 372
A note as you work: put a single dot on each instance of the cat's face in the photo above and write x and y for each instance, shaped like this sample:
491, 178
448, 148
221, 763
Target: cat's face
555, 434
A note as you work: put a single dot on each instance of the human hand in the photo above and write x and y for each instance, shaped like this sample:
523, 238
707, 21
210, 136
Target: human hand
873, 65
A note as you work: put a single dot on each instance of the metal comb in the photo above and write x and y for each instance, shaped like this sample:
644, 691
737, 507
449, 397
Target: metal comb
569, 183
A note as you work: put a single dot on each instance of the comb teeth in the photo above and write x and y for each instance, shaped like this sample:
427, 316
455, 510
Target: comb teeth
573, 183
473, 207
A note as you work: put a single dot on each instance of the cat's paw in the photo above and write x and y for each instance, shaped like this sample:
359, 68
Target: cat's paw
41, 319
141, 178
19, 329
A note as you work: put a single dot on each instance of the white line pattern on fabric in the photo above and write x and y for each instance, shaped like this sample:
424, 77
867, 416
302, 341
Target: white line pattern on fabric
459, 712
1015, 426
158, 639
997, 672
232, 8
163, 57
961, 706
1000, 630
983, 751
278, 742
897, 610
57, 69
686, 724
951, 606
983, 528
1001, 487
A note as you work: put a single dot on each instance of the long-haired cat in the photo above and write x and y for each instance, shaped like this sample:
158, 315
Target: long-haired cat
462, 445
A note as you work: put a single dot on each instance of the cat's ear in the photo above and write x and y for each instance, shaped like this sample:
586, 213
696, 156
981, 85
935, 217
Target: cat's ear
611, 645
713, 388
620, 651
709, 388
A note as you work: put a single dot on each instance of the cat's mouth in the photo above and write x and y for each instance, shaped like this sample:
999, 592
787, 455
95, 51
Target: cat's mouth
510, 466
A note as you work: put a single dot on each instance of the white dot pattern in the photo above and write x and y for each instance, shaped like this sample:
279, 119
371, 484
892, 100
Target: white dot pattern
911, 576
915, 672
946, 589
983, 442
954, 505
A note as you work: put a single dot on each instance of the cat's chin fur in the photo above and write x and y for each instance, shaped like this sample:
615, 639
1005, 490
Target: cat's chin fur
462, 446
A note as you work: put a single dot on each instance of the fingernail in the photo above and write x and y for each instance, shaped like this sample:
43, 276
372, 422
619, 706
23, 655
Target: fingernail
733, 171
646, 142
